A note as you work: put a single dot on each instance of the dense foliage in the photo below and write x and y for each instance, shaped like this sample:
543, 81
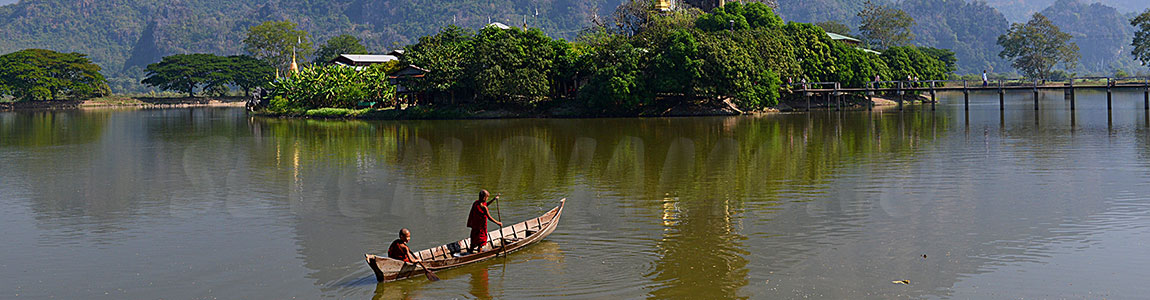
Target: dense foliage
331, 87
186, 72
1037, 46
737, 55
38, 74
123, 36
1142, 37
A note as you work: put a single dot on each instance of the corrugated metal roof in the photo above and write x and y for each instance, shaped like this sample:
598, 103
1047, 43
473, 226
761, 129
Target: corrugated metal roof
369, 58
835, 36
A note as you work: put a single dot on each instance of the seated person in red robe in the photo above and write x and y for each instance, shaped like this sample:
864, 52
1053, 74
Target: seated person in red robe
477, 220
398, 249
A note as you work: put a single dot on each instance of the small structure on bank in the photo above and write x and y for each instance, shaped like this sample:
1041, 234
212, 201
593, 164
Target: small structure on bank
400, 79
362, 60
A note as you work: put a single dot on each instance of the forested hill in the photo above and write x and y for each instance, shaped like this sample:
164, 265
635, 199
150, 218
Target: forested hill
1021, 10
971, 28
122, 35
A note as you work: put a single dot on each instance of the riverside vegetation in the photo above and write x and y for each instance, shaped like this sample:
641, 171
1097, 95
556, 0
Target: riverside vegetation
636, 63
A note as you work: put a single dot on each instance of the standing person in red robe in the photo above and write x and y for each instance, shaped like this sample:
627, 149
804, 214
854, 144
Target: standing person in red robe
477, 220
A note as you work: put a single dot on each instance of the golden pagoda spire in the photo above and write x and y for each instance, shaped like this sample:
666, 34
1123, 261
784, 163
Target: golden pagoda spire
294, 67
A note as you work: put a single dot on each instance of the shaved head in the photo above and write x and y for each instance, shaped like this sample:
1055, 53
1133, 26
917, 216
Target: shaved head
403, 233
483, 194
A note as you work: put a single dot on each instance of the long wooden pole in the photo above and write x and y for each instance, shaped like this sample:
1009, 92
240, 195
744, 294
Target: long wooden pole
502, 238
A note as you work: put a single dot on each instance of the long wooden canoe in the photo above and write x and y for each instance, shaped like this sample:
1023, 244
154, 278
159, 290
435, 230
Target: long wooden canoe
454, 254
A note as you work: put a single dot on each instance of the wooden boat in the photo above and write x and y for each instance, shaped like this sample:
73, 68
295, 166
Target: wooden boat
454, 254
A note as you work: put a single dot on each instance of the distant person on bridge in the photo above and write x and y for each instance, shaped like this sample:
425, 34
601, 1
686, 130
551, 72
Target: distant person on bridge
985, 82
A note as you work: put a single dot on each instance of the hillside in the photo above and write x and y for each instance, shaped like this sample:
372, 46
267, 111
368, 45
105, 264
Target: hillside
1021, 10
1102, 32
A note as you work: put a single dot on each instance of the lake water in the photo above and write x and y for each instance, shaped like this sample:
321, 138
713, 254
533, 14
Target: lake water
211, 203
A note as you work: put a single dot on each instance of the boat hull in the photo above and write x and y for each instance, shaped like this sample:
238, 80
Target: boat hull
503, 240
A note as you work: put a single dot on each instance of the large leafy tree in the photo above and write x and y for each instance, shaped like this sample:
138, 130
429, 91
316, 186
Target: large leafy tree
1037, 46
736, 16
38, 74
511, 64
911, 62
614, 69
186, 72
1142, 37
248, 72
342, 44
444, 55
884, 26
275, 41
677, 67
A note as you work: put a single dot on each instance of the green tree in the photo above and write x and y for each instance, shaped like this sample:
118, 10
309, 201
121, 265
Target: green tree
38, 74
731, 72
736, 16
946, 56
444, 55
248, 72
1037, 46
910, 62
614, 71
884, 26
1142, 37
342, 44
511, 64
186, 72
275, 42
677, 67
813, 50
835, 27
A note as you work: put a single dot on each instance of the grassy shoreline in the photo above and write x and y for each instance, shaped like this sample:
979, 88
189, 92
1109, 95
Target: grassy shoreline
119, 101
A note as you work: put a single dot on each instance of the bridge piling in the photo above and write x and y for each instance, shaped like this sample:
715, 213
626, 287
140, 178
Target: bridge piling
1071, 93
1109, 94
1146, 94
1036, 94
838, 98
900, 96
965, 96
932, 99
808, 96
1001, 97
870, 97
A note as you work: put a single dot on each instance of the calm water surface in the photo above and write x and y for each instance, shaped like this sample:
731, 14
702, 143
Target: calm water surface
207, 203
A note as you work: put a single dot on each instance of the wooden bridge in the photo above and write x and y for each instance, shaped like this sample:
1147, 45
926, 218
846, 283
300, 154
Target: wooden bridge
1070, 86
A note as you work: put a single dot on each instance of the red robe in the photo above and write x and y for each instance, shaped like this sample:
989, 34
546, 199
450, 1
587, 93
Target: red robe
477, 220
398, 250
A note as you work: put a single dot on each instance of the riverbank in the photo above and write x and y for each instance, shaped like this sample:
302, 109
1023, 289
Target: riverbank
125, 102
570, 110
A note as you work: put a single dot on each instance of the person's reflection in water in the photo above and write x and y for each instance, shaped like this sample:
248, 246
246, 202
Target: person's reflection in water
479, 283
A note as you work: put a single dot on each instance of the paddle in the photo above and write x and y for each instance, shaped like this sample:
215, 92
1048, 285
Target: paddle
502, 239
430, 275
